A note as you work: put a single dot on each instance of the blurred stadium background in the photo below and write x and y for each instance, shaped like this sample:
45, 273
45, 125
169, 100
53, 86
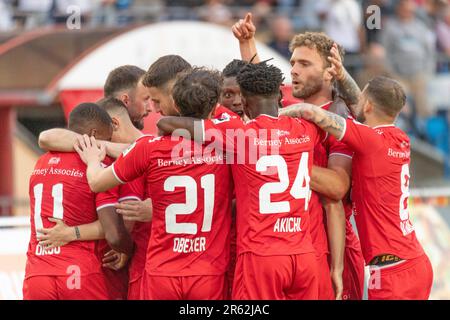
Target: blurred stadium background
47, 67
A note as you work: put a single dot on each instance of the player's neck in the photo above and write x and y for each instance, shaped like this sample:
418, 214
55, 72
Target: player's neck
378, 121
133, 133
268, 108
319, 98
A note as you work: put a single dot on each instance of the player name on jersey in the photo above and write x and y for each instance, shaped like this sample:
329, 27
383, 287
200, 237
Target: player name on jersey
287, 225
42, 251
186, 245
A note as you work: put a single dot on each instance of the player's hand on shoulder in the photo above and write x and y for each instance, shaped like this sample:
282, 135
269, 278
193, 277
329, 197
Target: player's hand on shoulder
244, 29
89, 150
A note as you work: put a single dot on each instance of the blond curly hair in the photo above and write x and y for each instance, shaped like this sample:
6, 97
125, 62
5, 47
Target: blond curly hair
318, 41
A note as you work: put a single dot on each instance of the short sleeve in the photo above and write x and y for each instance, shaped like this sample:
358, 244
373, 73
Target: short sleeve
338, 148
107, 199
360, 138
134, 190
134, 161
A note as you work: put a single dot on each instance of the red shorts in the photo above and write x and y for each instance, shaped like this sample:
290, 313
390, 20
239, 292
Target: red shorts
183, 288
134, 289
326, 291
353, 275
90, 287
116, 283
233, 255
404, 280
292, 277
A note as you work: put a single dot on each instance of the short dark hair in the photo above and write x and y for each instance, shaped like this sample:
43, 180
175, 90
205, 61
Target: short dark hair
164, 70
122, 78
232, 69
260, 79
387, 95
197, 91
87, 116
111, 104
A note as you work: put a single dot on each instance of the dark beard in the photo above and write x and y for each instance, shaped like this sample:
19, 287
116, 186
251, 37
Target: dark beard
138, 124
309, 89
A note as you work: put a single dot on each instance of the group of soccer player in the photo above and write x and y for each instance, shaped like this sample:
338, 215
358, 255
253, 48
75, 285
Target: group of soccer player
245, 194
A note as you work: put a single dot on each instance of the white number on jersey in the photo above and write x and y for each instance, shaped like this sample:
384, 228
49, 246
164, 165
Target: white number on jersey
300, 188
58, 209
207, 184
405, 224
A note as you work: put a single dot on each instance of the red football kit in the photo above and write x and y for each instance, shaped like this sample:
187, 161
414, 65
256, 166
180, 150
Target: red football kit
188, 251
380, 191
135, 190
272, 160
58, 188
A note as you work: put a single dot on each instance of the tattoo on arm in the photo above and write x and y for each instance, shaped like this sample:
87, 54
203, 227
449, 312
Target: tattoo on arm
349, 92
329, 122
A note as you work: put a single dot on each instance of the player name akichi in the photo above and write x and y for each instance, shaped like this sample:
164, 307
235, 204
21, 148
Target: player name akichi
63, 172
287, 225
186, 245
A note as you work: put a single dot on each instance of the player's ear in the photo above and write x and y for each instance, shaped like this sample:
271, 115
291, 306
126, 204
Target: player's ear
125, 98
368, 107
93, 133
115, 124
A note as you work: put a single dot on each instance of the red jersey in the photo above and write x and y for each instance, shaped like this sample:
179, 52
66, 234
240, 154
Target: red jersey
271, 183
58, 188
223, 112
135, 190
380, 190
330, 146
191, 194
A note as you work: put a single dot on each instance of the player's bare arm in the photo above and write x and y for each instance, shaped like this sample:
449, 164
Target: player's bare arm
134, 210
336, 238
58, 139
99, 178
113, 149
244, 30
181, 126
347, 87
327, 121
116, 234
63, 140
62, 234
331, 183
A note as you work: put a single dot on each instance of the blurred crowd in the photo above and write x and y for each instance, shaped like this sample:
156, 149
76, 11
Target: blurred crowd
405, 39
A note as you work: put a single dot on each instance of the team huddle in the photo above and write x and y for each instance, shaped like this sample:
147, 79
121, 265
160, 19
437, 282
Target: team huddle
244, 194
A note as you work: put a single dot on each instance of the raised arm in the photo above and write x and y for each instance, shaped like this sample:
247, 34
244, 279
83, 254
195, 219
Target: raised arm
347, 87
244, 30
